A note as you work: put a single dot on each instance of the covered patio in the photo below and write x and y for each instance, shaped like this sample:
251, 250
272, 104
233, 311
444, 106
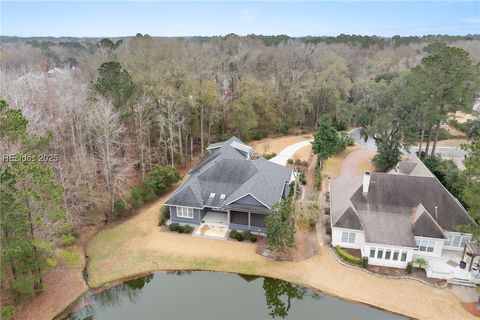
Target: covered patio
471, 250
448, 267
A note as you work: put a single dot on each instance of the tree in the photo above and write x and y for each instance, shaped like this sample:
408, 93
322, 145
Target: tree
280, 227
30, 208
325, 140
448, 81
387, 156
115, 83
278, 296
472, 184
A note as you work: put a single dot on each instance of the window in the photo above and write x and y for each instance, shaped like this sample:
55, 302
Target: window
388, 253
212, 195
372, 252
395, 255
448, 241
425, 246
380, 254
185, 212
404, 256
465, 239
348, 237
456, 240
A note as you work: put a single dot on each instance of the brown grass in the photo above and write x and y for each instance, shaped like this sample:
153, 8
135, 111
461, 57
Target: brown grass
277, 144
303, 154
333, 165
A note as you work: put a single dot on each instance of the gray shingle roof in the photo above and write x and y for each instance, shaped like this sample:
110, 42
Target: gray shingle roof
227, 171
349, 220
396, 208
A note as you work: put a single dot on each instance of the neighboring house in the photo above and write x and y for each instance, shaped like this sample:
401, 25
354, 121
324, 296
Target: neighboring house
397, 217
228, 188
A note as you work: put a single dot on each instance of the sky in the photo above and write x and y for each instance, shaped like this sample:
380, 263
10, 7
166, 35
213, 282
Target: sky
294, 18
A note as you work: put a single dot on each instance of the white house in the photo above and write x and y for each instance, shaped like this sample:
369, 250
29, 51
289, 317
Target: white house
394, 218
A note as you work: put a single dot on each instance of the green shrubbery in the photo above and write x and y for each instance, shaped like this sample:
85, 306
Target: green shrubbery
136, 200
317, 181
7, 312
290, 161
243, 235
302, 178
348, 257
299, 162
163, 216
66, 240
269, 155
365, 262
154, 185
409, 267
179, 228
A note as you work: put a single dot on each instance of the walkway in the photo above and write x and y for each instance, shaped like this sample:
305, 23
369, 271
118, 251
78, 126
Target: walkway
287, 153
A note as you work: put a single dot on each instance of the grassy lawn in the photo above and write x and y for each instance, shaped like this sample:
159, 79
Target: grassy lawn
303, 154
333, 165
278, 144
365, 164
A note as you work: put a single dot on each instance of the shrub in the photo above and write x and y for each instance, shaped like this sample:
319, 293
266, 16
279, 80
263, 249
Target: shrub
249, 236
421, 262
290, 161
269, 155
328, 230
348, 257
7, 312
302, 178
365, 262
67, 229
163, 216
409, 267
317, 182
119, 208
66, 240
187, 229
260, 134
234, 234
148, 190
135, 198
175, 227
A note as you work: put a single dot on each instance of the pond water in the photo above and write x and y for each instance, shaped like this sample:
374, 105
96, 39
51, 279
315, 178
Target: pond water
211, 295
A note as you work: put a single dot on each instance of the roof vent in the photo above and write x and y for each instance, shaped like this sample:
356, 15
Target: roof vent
366, 181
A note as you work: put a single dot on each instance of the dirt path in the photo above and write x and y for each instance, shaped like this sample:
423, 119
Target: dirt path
137, 246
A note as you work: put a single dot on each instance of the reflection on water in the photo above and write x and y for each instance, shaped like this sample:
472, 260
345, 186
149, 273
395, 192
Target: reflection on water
209, 295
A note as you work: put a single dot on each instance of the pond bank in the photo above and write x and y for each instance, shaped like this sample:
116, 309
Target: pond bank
137, 246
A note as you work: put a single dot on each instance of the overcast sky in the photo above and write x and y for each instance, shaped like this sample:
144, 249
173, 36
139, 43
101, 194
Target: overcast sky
123, 18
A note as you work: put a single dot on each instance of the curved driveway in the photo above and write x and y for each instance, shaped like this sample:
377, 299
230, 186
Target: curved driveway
287, 153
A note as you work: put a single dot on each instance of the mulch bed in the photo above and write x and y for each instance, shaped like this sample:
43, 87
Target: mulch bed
416, 273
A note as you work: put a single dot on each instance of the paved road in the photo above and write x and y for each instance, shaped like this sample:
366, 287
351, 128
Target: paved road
445, 152
287, 153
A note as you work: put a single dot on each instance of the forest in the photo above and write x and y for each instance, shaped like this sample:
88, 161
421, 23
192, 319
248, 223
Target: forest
107, 121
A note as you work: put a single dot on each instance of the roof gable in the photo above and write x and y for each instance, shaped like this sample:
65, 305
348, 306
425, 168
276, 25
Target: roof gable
349, 220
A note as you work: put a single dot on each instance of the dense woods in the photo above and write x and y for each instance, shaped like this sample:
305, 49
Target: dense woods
111, 118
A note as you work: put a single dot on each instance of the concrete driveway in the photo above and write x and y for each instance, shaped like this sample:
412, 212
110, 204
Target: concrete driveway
289, 151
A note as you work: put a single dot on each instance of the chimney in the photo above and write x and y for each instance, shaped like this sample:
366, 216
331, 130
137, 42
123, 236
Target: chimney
436, 213
366, 182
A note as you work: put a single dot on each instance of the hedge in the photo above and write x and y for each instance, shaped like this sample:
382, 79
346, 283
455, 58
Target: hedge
245, 235
348, 257
179, 228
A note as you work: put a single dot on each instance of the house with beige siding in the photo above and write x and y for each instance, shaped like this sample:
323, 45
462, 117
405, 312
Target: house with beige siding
397, 217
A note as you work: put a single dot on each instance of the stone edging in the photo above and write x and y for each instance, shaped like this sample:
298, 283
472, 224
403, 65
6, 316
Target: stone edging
340, 261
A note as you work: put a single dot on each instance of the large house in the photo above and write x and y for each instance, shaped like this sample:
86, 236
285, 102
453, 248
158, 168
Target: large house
227, 187
394, 218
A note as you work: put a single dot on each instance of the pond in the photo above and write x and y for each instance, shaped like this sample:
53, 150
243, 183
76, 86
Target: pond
212, 295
